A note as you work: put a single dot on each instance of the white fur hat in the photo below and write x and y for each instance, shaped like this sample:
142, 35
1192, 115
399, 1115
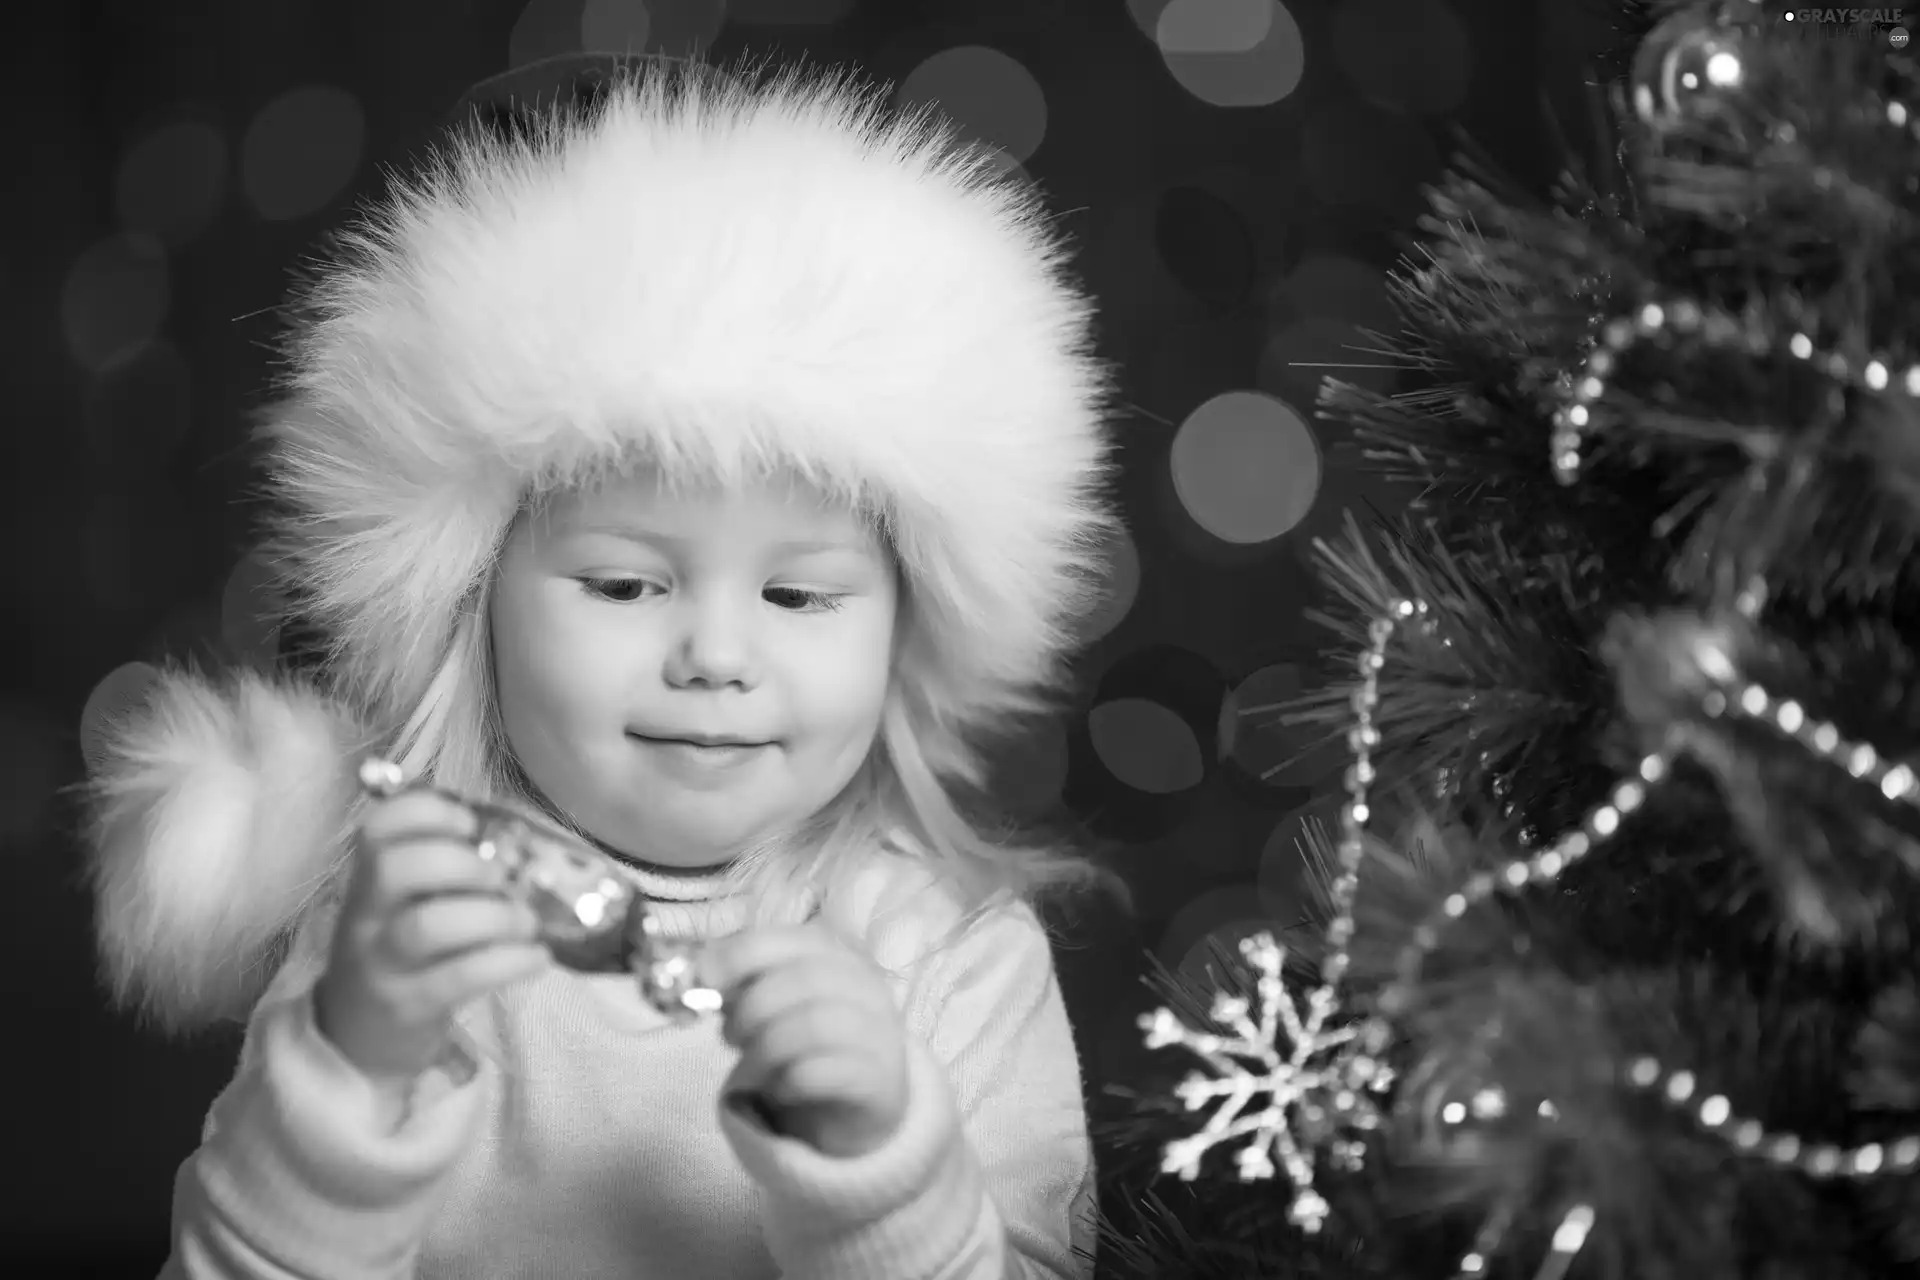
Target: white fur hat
718, 273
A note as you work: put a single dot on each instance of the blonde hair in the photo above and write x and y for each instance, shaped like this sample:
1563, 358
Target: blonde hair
903, 797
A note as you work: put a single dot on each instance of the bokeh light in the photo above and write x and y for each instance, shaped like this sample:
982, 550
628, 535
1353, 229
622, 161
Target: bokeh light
1212, 923
1207, 245
301, 151
137, 413
1119, 587
1248, 711
788, 13
1413, 55
544, 29
1245, 467
1298, 358
615, 26
986, 93
1353, 153
1231, 53
1283, 878
32, 762
1146, 746
1332, 306
1139, 757
249, 612
114, 300
683, 28
1341, 288
171, 180
121, 690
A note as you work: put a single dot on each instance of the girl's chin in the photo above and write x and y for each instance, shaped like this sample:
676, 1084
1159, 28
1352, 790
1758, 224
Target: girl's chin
684, 856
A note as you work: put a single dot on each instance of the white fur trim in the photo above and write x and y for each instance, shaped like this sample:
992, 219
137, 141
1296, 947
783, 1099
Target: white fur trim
218, 814
721, 273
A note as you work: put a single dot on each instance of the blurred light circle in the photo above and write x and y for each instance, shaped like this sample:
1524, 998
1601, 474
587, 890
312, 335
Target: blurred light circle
1146, 15
1356, 154
1409, 54
1207, 931
1245, 467
1206, 245
1250, 708
114, 300
120, 691
1284, 861
249, 612
32, 753
171, 180
544, 29
614, 26
788, 13
1004, 165
681, 28
1119, 587
1214, 26
1302, 356
1232, 53
1340, 288
138, 411
301, 151
1146, 746
986, 93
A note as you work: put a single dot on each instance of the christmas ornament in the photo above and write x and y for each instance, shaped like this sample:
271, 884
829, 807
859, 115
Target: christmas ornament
1691, 66
1319, 1088
593, 918
1315, 1088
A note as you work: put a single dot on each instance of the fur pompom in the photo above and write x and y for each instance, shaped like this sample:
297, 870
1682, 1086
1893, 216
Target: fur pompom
217, 814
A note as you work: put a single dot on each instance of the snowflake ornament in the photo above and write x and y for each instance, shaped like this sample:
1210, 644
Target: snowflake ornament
1317, 1084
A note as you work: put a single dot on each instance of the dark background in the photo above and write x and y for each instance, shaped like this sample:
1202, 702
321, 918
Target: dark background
1239, 176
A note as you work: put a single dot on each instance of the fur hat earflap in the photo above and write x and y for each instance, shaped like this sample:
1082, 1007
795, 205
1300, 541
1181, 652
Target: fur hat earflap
219, 813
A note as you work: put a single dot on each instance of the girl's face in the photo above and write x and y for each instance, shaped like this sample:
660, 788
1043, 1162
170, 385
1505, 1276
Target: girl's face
686, 674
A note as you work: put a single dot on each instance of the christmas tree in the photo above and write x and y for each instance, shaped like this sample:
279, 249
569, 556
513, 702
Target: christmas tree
1615, 974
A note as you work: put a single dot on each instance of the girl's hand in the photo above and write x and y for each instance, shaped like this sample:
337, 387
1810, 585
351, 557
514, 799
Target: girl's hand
426, 927
822, 1045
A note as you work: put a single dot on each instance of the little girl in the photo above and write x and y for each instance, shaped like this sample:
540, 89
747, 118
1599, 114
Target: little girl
707, 470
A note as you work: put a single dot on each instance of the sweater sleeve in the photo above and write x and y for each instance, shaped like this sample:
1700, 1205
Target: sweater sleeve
990, 1176
305, 1170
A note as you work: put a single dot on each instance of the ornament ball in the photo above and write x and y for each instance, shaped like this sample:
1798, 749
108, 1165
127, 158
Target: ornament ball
1685, 71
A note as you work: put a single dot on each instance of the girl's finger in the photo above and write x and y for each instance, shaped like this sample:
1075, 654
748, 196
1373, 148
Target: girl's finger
432, 931
464, 979
418, 815
771, 993
732, 961
402, 872
823, 1026
818, 1079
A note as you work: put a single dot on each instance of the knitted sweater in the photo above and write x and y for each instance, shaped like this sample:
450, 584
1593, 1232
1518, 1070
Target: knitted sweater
576, 1134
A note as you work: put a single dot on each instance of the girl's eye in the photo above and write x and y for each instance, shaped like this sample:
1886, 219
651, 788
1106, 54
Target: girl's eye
614, 590
799, 599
